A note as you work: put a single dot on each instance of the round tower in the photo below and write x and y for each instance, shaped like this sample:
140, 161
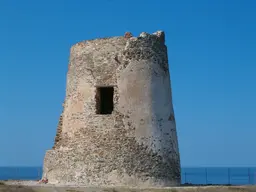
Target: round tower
117, 127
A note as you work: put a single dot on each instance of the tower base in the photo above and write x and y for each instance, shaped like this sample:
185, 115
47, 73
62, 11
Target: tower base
65, 168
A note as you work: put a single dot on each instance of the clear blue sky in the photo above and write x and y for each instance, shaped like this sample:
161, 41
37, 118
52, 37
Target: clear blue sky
212, 57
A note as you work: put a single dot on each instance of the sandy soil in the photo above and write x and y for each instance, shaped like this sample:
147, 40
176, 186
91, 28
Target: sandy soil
34, 186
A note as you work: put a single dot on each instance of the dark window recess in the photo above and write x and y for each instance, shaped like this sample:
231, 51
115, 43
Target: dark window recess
104, 100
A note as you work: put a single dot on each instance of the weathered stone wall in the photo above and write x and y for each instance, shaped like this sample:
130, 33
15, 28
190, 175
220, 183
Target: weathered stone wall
137, 144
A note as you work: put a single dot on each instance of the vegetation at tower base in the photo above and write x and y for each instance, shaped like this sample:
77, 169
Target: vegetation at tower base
117, 126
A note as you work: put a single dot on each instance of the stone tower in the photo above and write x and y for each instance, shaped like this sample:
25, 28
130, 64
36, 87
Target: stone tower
117, 127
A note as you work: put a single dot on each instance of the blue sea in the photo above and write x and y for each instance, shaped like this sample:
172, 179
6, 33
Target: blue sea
233, 176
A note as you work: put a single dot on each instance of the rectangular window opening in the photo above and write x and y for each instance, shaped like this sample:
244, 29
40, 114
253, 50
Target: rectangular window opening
104, 100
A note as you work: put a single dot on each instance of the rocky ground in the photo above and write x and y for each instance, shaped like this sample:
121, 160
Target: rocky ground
34, 186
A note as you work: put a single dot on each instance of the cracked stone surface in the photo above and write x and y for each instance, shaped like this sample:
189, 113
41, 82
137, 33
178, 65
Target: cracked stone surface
137, 144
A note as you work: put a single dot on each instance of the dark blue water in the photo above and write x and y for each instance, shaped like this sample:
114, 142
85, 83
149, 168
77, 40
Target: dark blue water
20, 173
235, 176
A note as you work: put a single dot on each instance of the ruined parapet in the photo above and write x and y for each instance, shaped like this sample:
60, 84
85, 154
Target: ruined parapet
118, 125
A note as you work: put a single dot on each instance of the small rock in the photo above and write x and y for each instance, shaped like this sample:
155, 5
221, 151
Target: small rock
128, 35
143, 34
